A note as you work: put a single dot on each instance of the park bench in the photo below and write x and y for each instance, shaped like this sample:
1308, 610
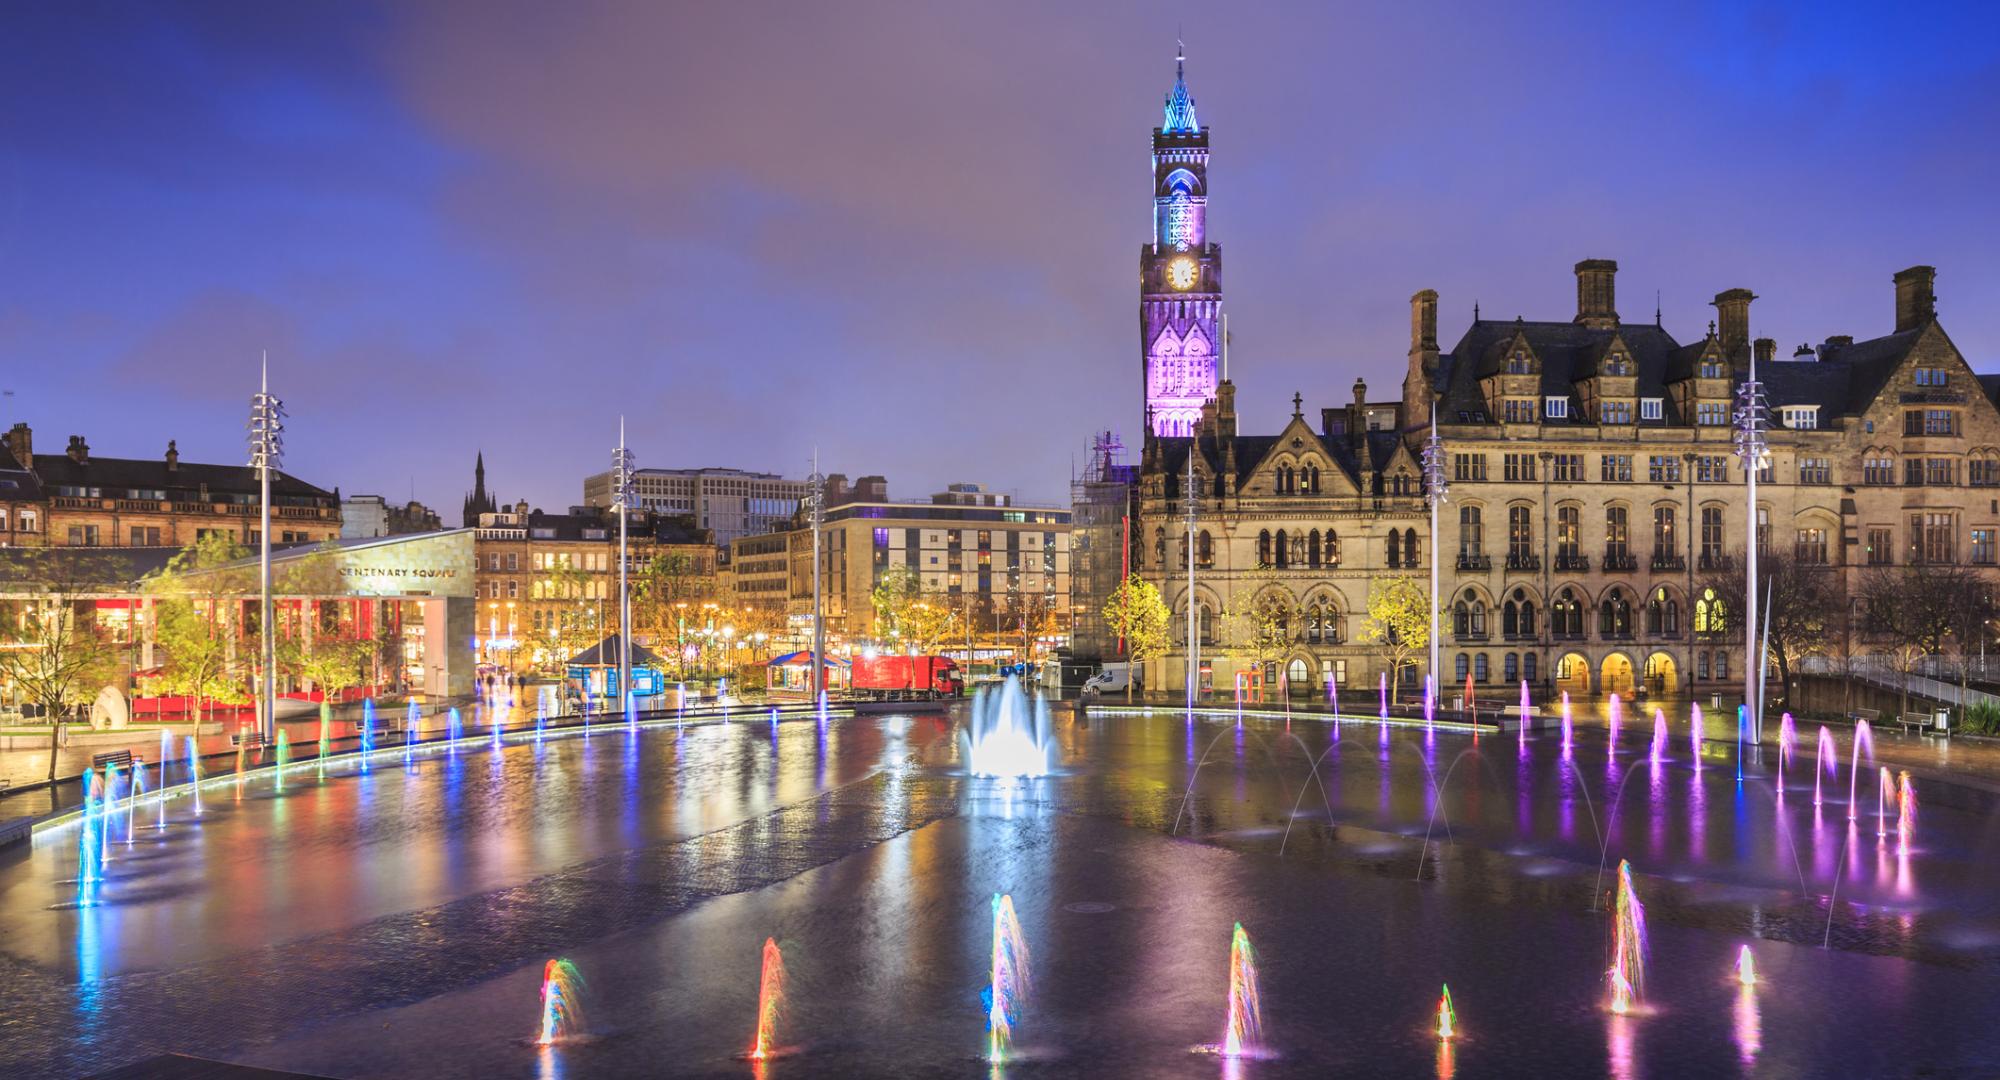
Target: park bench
252, 739
120, 758
1872, 716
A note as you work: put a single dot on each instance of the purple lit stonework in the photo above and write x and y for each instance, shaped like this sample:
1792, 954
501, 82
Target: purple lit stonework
1180, 273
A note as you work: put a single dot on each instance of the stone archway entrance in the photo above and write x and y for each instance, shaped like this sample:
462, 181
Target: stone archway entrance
1572, 674
1617, 675
1298, 677
1662, 674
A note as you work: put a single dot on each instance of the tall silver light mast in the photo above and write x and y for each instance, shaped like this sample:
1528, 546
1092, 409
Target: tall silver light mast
1753, 421
267, 450
1434, 493
816, 504
1188, 496
622, 463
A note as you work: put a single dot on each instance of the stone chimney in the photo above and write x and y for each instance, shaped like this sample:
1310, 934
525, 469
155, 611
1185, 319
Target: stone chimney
1805, 353
1225, 409
173, 457
1419, 382
1732, 332
79, 451
1360, 392
1597, 294
1766, 350
21, 441
1916, 297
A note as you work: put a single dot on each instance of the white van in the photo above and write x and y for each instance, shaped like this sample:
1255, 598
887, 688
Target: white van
1112, 680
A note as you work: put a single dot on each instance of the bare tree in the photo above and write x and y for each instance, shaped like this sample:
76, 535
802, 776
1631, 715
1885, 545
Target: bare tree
1805, 603
1919, 610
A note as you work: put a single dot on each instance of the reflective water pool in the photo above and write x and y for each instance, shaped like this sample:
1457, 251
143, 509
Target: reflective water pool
396, 924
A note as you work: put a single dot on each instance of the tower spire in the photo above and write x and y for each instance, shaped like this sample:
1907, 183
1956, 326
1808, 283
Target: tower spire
1180, 119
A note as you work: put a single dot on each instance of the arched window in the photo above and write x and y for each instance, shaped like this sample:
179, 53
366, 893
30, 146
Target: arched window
1312, 623
1617, 533
1480, 671
1312, 484
1461, 664
1510, 618
1264, 548
1566, 615
1528, 666
1615, 615
1410, 546
1709, 613
1312, 550
1468, 532
1395, 550
1663, 614
1204, 549
1284, 553
1332, 554
1510, 667
1160, 546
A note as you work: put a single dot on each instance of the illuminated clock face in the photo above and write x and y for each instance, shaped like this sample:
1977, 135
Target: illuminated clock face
1181, 273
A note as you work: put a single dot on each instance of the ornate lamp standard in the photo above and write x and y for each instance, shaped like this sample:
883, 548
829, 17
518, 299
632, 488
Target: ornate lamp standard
1194, 643
1753, 421
267, 451
1434, 494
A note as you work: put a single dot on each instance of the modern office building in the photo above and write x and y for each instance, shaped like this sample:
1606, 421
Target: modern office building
728, 502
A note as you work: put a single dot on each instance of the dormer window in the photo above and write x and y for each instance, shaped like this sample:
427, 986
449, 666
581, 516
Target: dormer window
1615, 412
1618, 364
1517, 364
1518, 410
1651, 408
1711, 368
1930, 376
1800, 417
1555, 408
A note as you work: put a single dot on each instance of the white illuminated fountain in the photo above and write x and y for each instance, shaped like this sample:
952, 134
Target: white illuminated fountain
1007, 735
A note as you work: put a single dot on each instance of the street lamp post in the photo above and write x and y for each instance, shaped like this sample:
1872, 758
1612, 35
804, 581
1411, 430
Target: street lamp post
267, 449
1434, 494
817, 499
1753, 448
1194, 643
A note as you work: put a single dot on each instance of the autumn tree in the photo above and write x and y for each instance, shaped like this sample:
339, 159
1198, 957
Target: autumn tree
1260, 621
662, 585
52, 650
896, 590
1136, 613
1398, 622
193, 599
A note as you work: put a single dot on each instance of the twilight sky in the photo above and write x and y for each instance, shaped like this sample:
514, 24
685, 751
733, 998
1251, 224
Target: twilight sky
908, 233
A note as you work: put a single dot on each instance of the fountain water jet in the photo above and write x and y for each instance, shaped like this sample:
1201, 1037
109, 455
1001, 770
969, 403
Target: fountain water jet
1788, 744
1659, 734
1694, 735
194, 775
1746, 968
1885, 783
325, 732
1863, 737
1524, 715
1008, 736
1447, 1025
1617, 714
1826, 759
284, 759
1906, 812
770, 1001
1628, 946
1566, 724
562, 1003
1008, 989
367, 731
1244, 1034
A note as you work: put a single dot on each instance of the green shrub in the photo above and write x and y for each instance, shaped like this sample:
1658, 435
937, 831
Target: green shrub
1982, 718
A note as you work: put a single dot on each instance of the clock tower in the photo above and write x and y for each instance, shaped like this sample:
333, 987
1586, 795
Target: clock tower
1180, 273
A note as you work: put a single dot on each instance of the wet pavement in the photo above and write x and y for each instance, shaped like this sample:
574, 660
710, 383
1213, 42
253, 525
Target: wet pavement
395, 924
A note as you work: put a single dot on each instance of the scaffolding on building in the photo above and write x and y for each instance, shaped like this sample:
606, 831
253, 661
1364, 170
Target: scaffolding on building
1100, 505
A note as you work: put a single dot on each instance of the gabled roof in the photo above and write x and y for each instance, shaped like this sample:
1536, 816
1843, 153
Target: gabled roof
605, 654
153, 474
1566, 351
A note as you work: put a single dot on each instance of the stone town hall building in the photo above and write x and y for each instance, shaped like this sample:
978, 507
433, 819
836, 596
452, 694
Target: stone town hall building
1592, 492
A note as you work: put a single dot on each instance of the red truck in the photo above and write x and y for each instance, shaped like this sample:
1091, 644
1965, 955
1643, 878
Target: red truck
889, 676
